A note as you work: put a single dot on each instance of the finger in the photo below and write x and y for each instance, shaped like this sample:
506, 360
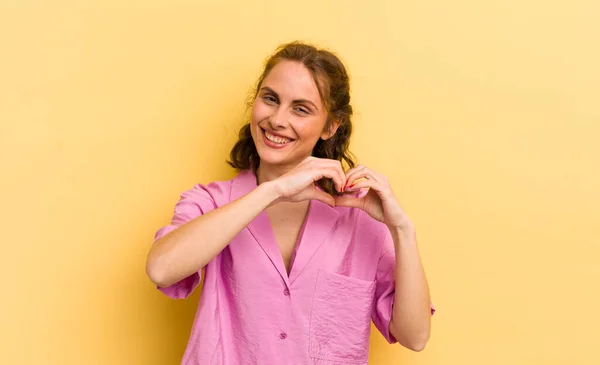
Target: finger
317, 169
366, 173
349, 201
354, 170
337, 165
335, 172
306, 161
376, 175
359, 174
331, 172
314, 194
363, 184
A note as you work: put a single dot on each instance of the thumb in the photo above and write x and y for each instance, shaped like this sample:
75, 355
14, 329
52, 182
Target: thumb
316, 194
349, 201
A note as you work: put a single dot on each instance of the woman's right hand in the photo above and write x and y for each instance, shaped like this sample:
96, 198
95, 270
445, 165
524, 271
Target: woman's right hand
299, 183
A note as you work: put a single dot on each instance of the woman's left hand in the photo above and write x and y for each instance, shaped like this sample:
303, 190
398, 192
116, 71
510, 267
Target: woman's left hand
380, 201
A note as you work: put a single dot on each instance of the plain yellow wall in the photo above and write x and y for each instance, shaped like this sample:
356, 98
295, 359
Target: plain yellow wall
484, 114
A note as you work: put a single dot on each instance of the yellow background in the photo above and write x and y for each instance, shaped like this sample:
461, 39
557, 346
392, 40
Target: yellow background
484, 114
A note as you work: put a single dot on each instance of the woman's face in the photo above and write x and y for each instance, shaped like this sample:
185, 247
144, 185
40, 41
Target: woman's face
288, 116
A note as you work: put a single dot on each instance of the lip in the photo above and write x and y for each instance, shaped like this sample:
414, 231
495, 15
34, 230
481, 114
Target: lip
273, 144
277, 134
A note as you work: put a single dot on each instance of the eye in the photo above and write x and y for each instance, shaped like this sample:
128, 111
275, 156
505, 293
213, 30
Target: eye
270, 99
302, 110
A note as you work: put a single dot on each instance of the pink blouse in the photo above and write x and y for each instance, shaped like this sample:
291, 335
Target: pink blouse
252, 312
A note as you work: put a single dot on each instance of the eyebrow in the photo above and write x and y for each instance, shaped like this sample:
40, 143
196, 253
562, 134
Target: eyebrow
297, 101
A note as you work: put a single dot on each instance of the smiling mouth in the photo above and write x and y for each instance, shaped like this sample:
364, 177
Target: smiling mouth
276, 139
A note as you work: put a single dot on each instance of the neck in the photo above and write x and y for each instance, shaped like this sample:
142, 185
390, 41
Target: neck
268, 172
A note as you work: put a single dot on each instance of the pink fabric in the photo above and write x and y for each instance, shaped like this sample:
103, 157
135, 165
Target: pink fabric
252, 312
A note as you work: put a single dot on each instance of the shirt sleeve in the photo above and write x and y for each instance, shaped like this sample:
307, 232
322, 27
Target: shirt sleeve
385, 288
192, 204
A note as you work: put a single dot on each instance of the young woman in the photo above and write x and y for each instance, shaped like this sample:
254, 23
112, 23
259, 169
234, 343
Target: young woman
299, 255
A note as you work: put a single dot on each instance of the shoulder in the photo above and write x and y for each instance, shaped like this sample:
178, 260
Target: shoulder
214, 193
214, 188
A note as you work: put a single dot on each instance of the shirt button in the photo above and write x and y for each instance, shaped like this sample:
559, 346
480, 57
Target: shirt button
286, 291
283, 335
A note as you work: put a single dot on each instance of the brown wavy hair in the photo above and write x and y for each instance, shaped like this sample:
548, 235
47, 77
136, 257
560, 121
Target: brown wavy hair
333, 84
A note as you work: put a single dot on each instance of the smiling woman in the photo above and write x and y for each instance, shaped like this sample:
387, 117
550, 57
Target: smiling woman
307, 91
302, 249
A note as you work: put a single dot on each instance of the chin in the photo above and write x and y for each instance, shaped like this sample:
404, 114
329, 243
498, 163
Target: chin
272, 158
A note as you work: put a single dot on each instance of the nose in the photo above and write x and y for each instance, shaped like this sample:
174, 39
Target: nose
279, 119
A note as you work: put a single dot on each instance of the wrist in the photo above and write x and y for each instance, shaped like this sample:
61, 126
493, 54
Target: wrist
403, 234
402, 225
269, 192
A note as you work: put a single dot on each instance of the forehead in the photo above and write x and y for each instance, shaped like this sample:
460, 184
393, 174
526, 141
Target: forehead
292, 80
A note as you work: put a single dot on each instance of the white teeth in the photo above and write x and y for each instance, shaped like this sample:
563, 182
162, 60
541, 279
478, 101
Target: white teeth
276, 139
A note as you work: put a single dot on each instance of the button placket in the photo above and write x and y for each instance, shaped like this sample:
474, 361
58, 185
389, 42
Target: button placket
286, 292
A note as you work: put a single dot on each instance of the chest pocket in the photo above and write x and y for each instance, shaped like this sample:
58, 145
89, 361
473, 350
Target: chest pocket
340, 320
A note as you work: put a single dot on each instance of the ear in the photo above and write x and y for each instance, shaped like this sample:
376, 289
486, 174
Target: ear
330, 132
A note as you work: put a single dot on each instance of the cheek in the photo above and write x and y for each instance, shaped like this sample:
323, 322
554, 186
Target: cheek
259, 113
310, 130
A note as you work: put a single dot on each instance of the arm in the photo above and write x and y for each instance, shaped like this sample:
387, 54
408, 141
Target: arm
190, 247
178, 254
410, 318
411, 314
